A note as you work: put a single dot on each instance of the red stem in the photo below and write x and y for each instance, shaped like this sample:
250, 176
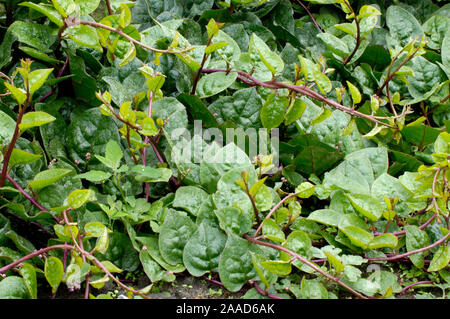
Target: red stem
31, 199
33, 254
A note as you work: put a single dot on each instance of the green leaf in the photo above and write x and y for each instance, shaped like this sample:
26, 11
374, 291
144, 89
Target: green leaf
95, 176
334, 261
266, 276
33, 119
79, 197
445, 50
305, 190
202, 252
54, 272
383, 241
278, 267
38, 36
272, 112
13, 287
242, 108
294, 112
366, 205
214, 83
48, 10
175, 232
235, 264
19, 157
28, 273
37, 78
358, 236
326, 216
85, 35
233, 220
416, 239
272, 231
354, 92
102, 243
322, 116
189, 198
259, 50
299, 242
19, 94
441, 259
403, 25
334, 44
48, 177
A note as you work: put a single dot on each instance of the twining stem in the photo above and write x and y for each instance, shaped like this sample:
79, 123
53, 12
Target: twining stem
34, 254
391, 75
197, 75
358, 35
273, 210
262, 292
412, 252
15, 137
108, 7
53, 89
248, 79
73, 21
310, 15
30, 198
307, 262
147, 140
405, 289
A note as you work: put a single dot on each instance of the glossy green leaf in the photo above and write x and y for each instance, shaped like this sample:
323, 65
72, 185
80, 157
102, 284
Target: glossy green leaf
86, 36
235, 264
13, 287
383, 241
28, 273
78, 198
202, 252
214, 83
189, 198
175, 232
272, 231
416, 239
278, 267
233, 220
358, 236
441, 259
273, 110
54, 272
33, 119
402, 25
48, 177
366, 205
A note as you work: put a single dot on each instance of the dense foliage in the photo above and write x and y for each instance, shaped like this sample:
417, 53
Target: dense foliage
298, 149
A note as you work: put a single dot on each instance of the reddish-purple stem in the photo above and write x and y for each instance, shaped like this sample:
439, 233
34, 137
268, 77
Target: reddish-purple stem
30, 198
263, 293
404, 290
33, 254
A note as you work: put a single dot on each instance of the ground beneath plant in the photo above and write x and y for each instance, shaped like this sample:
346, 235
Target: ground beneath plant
184, 287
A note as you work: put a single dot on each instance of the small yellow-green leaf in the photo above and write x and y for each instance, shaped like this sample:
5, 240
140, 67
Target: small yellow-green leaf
54, 272
335, 262
278, 267
19, 94
354, 92
79, 197
33, 119
305, 190
48, 177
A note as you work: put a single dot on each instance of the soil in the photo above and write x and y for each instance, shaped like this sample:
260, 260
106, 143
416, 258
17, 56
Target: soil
184, 287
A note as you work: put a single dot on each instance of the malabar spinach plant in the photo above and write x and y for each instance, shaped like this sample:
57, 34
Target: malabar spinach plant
296, 149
